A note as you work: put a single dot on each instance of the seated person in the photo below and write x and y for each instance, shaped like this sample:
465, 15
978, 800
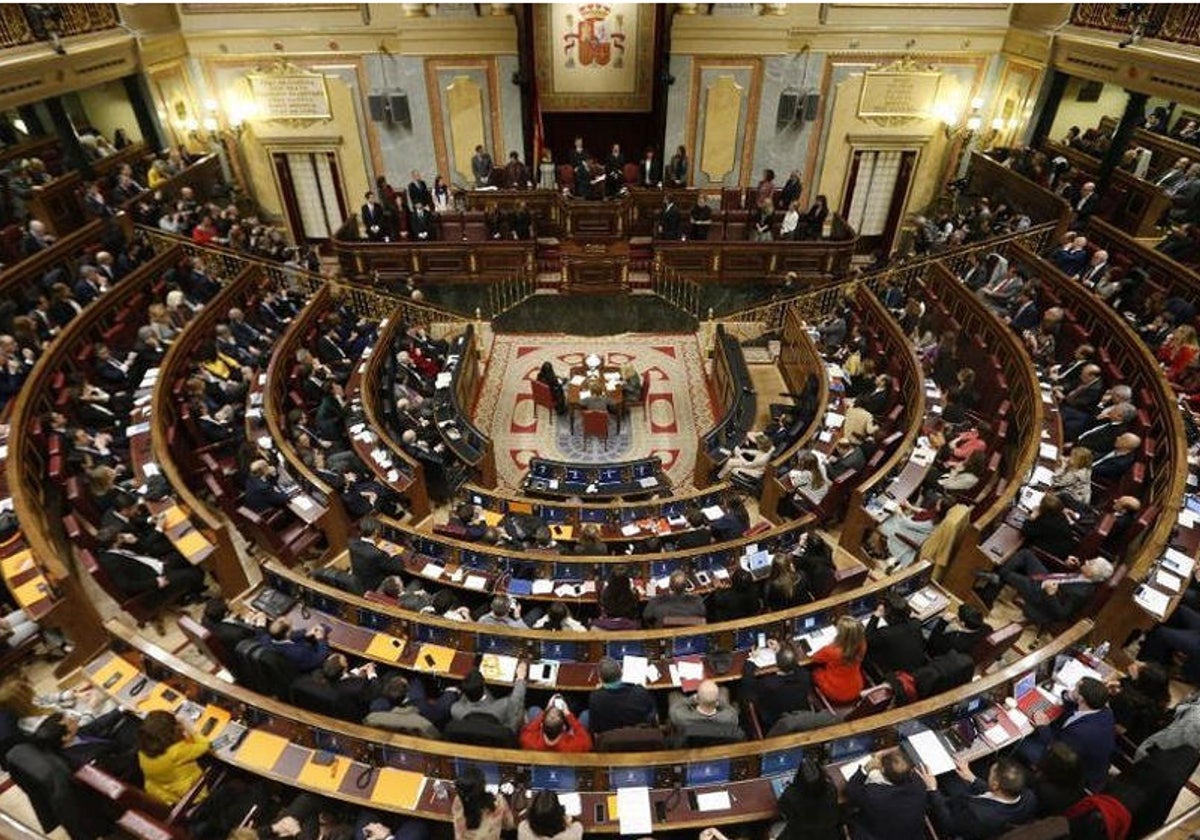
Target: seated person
262, 492
837, 667
229, 629
618, 600
400, 708
1178, 634
337, 689
888, 797
1048, 597
775, 693
739, 600
809, 480
903, 533
732, 523
895, 643
306, 650
369, 563
168, 756
709, 704
555, 730
477, 699
1048, 529
157, 580
972, 809
631, 383
961, 632
1140, 701
748, 462
616, 704
547, 375
675, 602
1086, 725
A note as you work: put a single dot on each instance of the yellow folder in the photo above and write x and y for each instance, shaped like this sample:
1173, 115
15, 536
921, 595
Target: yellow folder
31, 591
435, 658
260, 750
173, 516
327, 777
17, 563
192, 543
385, 647
158, 699
115, 667
401, 788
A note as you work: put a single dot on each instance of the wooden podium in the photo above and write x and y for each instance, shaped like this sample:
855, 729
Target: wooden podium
590, 269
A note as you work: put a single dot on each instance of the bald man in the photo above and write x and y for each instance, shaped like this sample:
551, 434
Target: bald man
710, 704
1113, 465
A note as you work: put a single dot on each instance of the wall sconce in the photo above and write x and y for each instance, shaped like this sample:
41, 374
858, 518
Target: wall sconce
968, 128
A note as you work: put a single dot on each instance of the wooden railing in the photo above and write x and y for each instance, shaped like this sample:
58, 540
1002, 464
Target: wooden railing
1164, 273
734, 391
18, 27
1131, 203
1164, 150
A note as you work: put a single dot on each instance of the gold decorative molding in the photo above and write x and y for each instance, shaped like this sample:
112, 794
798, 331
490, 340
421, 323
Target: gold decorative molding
754, 66
464, 101
433, 92
722, 113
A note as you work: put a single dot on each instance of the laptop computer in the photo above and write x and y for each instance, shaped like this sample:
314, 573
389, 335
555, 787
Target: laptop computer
1031, 700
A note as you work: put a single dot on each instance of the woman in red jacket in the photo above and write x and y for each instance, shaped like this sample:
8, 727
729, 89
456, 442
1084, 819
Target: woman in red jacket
1179, 349
837, 667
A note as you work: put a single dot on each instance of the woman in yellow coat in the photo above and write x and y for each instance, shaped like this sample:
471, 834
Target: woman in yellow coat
168, 757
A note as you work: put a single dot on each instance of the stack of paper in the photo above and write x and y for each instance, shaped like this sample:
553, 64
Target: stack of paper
633, 811
930, 752
1071, 672
1150, 599
635, 670
1178, 562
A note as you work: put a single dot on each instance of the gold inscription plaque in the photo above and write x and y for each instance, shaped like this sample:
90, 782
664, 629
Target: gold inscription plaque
887, 93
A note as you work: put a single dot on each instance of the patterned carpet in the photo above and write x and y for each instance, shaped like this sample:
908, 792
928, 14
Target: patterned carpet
677, 407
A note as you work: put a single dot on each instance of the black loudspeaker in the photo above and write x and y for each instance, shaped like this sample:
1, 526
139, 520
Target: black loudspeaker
400, 113
812, 106
785, 115
378, 107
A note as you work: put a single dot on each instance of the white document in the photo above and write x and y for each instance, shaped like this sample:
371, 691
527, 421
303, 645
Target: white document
633, 810
1152, 600
1186, 518
717, 800
1043, 476
572, 803
850, 768
931, 752
135, 430
542, 587
996, 735
820, 638
149, 470
712, 513
1072, 671
1030, 498
577, 380
763, 657
689, 670
635, 670
1178, 562
476, 582
833, 420
825, 437
1048, 451
1168, 581
432, 570
631, 529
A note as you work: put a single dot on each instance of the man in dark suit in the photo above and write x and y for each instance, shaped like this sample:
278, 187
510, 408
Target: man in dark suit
421, 225
516, 175
88, 287
1086, 725
614, 170
374, 219
418, 191
1101, 435
698, 533
1048, 597
36, 239
1112, 465
791, 190
262, 493
226, 628
894, 638
669, 222
616, 704
128, 515
481, 167
368, 562
1087, 203
136, 574
972, 809
1071, 258
1095, 268
1079, 404
650, 171
889, 805
112, 373
583, 178
344, 692
1025, 315
776, 694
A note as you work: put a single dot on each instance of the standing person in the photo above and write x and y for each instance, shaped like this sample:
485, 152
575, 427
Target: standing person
677, 168
650, 171
393, 205
701, 219
837, 667
546, 171
814, 219
614, 171
481, 167
476, 813
669, 223
443, 201
766, 189
515, 173
374, 221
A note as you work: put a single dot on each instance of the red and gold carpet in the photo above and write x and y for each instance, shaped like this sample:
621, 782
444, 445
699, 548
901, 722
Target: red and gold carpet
677, 408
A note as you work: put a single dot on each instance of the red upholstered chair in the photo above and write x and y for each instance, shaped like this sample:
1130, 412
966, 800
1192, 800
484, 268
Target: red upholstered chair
631, 171
595, 424
542, 395
566, 177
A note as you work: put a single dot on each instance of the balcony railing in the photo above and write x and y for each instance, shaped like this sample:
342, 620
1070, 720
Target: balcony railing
1177, 22
29, 23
